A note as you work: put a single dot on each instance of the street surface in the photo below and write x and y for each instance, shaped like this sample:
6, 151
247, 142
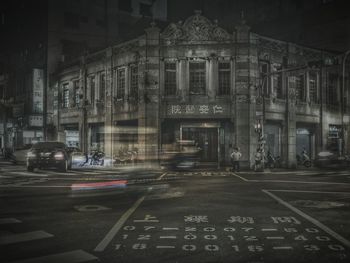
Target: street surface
144, 215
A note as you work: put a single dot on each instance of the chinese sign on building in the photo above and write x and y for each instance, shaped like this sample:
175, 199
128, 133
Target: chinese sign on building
197, 109
38, 90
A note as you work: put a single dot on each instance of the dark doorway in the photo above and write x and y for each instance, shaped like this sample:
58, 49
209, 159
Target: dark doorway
207, 139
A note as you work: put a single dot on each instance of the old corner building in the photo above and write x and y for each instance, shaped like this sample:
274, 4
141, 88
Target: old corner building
194, 80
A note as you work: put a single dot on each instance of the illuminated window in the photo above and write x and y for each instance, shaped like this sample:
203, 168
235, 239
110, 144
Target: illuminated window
224, 78
197, 78
120, 83
170, 78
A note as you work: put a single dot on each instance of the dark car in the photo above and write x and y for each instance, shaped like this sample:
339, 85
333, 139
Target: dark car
49, 155
331, 160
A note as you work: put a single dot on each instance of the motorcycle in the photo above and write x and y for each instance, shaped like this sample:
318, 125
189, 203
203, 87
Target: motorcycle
303, 160
97, 158
272, 161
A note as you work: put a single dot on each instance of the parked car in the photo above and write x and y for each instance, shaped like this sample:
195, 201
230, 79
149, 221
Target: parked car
49, 155
331, 159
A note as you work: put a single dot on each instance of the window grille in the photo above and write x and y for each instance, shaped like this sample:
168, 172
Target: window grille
224, 78
65, 96
120, 83
197, 78
313, 86
134, 82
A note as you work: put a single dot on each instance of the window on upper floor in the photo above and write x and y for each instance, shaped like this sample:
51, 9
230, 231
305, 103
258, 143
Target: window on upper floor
120, 83
76, 96
277, 81
92, 90
331, 89
197, 78
102, 89
300, 87
264, 69
134, 82
170, 78
65, 102
224, 78
313, 86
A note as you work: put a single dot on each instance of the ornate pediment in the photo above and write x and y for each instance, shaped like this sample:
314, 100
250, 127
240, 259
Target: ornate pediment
196, 28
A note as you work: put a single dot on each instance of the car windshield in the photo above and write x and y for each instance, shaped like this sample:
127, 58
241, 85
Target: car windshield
48, 145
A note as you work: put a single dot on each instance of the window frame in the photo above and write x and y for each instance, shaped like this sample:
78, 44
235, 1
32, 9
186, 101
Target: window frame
200, 75
120, 93
170, 84
222, 72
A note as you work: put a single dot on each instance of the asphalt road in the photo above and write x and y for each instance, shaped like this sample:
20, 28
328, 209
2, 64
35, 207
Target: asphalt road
144, 215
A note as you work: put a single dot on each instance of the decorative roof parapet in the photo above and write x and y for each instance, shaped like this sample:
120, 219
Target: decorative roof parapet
196, 28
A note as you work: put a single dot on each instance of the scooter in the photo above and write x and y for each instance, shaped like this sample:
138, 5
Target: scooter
97, 158
305, 161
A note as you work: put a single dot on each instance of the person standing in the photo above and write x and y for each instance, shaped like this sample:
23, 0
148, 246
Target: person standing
235, 158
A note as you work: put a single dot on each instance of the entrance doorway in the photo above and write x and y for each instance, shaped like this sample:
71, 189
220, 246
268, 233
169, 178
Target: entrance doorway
207, 140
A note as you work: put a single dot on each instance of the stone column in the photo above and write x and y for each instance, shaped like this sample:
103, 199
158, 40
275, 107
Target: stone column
213, 78
246, 73
183, 80
108, 129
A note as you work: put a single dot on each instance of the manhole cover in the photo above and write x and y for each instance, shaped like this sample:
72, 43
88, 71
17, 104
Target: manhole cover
319, 204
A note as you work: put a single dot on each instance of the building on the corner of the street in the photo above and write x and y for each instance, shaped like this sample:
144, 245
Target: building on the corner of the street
194, 80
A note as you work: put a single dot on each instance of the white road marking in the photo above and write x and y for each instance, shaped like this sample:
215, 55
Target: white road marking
75, 256
9, 221
21, 237
240, 177
115, 229
161, 177
170, 228
268, 229
285, 181
274, 237
310, 219
167, 237
165, 246
287, 247
311, 192
145, 221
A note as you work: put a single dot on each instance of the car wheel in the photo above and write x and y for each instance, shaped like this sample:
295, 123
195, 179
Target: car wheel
64, 166
30, 168
307, 164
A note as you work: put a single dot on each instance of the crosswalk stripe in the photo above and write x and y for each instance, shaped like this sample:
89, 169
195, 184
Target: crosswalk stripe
21, 237
74, 256
9, 221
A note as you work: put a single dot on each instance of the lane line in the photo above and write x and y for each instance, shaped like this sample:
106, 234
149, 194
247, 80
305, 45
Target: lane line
274, 237
170, 228
268, 229
115, 229
74, 256
240, 177
161, 176
21, 237
145, 221
310, 219
9, 221
311, 192
282, 247
167, 237
165, 246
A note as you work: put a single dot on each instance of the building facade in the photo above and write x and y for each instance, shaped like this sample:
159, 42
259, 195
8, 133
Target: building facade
196, 81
